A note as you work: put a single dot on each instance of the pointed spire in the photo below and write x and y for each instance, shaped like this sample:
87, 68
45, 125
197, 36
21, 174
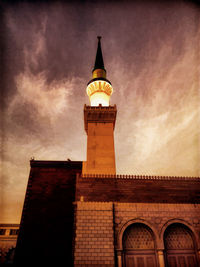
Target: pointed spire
99, 70
99, 57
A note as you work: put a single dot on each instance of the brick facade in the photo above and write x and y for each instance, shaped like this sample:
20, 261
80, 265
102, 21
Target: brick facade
80, 220
94, 237
100, 227
156, 202
134, 189
157, 216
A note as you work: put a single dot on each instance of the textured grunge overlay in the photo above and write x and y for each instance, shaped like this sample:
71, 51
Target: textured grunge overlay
151, 54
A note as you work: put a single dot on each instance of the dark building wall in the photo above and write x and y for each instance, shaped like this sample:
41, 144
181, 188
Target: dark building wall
46, 228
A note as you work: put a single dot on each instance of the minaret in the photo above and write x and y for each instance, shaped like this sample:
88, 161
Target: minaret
99, 120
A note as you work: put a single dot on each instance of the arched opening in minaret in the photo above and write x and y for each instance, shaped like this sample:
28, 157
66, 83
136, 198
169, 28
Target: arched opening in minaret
139, 246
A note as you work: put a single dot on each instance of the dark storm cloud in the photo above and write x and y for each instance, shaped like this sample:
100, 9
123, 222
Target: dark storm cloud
68, 30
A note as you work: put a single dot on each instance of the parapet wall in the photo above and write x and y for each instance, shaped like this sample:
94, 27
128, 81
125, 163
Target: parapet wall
138, 189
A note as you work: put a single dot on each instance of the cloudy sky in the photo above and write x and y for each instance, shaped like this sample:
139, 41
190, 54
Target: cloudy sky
151, 53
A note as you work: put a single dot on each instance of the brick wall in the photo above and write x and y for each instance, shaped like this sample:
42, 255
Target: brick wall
99, 225
94, 237
139, 189
158, 216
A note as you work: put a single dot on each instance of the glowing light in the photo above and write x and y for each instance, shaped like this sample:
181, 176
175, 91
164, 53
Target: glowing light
99, 98
99, 92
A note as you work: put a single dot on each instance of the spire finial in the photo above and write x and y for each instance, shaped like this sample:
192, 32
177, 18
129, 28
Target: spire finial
99, 57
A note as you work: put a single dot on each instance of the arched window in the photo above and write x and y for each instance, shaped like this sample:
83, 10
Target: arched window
138, 246
179, 246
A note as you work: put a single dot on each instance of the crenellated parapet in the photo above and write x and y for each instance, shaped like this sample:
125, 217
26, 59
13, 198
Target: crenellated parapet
141, 177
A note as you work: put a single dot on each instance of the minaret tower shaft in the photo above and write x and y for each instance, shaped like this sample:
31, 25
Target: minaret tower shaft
99, 119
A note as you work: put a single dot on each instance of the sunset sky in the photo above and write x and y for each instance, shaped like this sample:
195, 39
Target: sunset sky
151, 53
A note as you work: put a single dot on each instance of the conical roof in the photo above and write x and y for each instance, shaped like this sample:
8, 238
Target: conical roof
99, 72
99, 64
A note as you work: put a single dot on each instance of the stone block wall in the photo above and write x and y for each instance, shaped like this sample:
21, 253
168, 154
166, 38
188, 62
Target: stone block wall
158, 216
94, 237
100, 227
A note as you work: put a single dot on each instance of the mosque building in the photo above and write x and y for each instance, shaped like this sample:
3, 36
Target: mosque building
84, 214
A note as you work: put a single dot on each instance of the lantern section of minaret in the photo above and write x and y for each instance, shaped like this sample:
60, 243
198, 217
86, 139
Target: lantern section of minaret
99, 89
99, 119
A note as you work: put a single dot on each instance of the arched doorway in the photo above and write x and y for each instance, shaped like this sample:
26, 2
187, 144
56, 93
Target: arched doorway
138, 246
179, 246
